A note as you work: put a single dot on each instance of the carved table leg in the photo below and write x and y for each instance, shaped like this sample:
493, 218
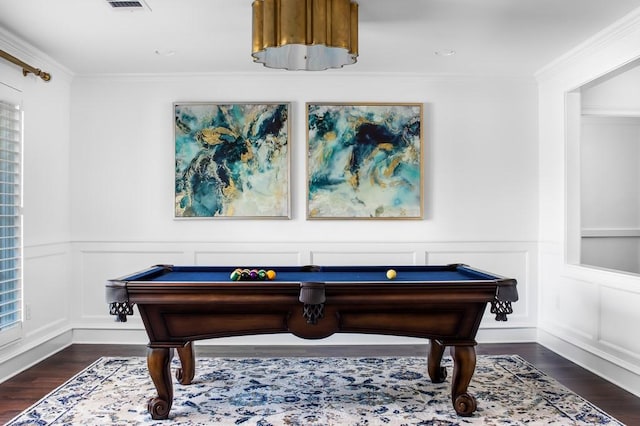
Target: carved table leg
187, 355
159, 364
464, 364
437, 373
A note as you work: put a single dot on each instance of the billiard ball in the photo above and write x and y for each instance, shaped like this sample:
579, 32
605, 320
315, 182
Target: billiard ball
253, 274
271, 274
235, 275
391, 274
244, 275
262, 275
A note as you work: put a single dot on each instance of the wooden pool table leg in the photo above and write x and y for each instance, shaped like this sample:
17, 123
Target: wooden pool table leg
187, 370
159, 364
464, 364
437, 373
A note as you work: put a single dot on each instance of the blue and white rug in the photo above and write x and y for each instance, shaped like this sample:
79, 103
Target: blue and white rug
314, 391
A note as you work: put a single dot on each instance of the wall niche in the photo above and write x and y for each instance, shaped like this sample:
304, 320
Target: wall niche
609, 166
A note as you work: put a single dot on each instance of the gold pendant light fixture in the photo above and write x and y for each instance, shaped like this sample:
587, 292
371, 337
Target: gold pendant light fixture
310, 35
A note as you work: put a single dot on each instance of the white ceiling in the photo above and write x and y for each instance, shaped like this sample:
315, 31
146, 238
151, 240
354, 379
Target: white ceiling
499, 37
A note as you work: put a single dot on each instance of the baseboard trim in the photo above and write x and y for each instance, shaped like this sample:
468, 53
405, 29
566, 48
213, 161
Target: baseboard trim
586, 359
14, 365
100, 335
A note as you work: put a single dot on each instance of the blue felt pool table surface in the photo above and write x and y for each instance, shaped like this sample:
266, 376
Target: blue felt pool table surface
326, 274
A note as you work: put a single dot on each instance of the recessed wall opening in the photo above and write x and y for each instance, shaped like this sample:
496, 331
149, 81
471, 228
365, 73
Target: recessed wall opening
603, 155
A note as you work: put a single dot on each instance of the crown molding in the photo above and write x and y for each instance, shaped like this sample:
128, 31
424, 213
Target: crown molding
30, 54
599, 44
295, 75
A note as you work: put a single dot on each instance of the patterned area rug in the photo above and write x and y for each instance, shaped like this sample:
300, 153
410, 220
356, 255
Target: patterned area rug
314, 391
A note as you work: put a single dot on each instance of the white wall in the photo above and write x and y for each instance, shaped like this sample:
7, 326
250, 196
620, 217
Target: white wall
480, 185
585, 314
47, 230
480, 157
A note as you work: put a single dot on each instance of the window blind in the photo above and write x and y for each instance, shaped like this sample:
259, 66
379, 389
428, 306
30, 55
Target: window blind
10, 217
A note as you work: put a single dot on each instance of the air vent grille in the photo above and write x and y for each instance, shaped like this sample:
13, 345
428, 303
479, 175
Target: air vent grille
125, 4
128, 5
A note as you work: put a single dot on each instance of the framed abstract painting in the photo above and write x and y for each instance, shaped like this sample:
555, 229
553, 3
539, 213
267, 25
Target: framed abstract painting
232, 160
364, 161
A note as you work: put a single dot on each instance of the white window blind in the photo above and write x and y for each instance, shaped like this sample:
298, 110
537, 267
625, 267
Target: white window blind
10, 220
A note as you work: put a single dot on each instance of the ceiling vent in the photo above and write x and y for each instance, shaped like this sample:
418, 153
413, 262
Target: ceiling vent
129, 5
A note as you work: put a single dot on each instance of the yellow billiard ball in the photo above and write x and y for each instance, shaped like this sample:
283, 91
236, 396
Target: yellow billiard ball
271, 274
391, 274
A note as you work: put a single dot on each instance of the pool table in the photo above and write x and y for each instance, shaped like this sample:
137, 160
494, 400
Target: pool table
181, 304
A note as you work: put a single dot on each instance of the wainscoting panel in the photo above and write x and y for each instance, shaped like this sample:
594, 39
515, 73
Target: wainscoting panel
576, 305
381, 257
47, 286
96, 262
248, 258
97, 266
513, 263
618, 319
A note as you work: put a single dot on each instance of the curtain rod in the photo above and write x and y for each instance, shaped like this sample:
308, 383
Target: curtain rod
26, 68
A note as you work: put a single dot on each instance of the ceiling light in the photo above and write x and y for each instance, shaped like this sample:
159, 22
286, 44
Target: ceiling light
310, 35
165, 52
445, 52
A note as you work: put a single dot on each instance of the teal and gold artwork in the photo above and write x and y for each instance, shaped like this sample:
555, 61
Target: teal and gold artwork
232, 160
364, 161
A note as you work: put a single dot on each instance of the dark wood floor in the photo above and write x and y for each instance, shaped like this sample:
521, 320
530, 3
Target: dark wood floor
19, 392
